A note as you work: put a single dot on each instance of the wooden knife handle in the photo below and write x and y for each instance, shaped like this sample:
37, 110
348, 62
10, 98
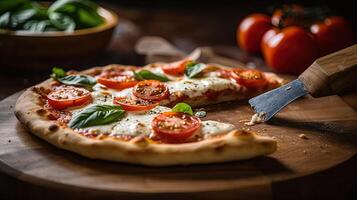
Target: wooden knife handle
332, 74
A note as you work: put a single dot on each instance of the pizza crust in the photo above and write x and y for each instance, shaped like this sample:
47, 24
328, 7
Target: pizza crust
236, 145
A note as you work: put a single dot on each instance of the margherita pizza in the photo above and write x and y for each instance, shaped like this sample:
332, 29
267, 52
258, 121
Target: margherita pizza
144, 115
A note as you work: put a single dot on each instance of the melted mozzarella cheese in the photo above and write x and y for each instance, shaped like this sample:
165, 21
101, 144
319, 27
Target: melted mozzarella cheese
210, 128
197, 87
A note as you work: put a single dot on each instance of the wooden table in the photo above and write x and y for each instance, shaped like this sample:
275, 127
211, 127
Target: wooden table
121, 51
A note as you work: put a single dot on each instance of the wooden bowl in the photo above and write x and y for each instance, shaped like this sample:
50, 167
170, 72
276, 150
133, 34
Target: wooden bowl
28, 50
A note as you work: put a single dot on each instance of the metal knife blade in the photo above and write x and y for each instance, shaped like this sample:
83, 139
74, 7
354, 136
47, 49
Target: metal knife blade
273, 101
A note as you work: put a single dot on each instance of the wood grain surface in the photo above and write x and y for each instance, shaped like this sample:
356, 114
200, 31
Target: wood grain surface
300, 169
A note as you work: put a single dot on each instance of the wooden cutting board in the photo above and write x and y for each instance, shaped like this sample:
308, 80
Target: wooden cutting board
322, 164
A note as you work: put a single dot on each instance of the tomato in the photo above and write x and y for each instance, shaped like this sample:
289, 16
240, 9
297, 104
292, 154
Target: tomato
290, 50
252, 79
333, 34
251, 31
288, 15
117, 80
134, 104
175, 126
68, 96
151, 90
175, 68
224, 73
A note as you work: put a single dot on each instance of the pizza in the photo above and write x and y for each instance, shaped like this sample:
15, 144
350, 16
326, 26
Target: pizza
146, 115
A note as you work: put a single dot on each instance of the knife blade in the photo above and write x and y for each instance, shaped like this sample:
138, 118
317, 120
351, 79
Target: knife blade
331, 74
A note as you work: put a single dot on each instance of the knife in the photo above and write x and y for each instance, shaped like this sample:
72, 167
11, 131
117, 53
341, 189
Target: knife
332, 74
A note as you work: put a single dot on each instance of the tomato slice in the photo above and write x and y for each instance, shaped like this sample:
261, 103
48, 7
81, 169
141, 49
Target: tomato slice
175, 127
224, 73
151, 90
252, 79
134, 104
68, 96
175, 68
117, 80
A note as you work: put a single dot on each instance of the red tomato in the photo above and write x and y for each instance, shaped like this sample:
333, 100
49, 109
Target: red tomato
117, 80
224, 73
252, 79
175, 126
134, 104
68, 96
151, 90
251, 31
333, 34
290, 50
175, 68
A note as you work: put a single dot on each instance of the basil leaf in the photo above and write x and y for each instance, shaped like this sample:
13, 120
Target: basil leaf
62, 22
96, 115
194, 69
36, 25
78, 80
148, 75
182, 107
58, 73
83, 12
21, 17
5, 20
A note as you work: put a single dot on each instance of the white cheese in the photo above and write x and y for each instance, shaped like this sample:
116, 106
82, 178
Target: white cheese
210, 128
197, 87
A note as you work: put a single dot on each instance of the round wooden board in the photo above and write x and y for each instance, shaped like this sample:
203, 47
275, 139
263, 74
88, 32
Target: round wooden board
299, 168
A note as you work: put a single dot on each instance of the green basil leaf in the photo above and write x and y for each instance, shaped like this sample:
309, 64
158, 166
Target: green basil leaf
148, 75
21, 17
62, 4
89, 18
78, 80
83, 12
58, 73
193, 70
62, 22
96, 115
36, 25
182, 107
5, 20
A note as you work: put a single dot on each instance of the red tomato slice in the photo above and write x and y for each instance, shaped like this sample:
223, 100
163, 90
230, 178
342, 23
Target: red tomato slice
175, 127
117, 80
252, 79
134, 104
224, 73
151, 90
68, 97
175, 68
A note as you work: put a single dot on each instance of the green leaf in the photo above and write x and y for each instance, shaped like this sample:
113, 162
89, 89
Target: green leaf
182, 107
96, 115
89, 18
78, 80
36, 25
61, 4
58, 73
62, 22
21, 17
148, 75
5, 20
193, 70
83, 12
